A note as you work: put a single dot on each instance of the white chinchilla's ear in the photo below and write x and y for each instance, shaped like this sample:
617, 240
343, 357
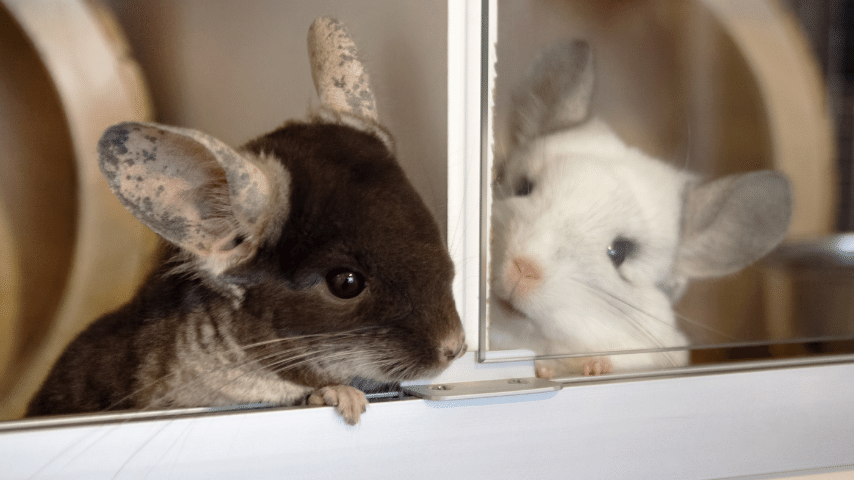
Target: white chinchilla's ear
732, 222
195, 191
556, 94
341, 81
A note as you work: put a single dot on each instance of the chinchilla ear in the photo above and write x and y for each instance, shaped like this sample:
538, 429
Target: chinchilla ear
341, 81
732, 222
195, 191
339, 77
556, 94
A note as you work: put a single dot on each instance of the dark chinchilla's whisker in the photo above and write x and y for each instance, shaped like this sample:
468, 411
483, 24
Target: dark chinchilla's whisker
219, 368
182, 438
326, 350
136, 391
140, 448
150, 385
249, 360
100, 434
293, 356
202, 378
350, 333
296, 356
285, 365
110, 428
291, 359
303, 348
367, 360
402, 371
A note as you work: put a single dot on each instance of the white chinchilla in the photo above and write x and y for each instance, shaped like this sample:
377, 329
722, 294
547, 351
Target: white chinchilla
593, 240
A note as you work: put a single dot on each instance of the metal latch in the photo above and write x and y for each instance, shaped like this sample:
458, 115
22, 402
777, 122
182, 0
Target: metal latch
482, 388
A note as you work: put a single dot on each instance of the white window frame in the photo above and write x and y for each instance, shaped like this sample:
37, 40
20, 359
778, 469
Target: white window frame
765, 421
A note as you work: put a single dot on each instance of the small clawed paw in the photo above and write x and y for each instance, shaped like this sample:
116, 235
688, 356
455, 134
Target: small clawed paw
349, 402
549, 369
544, 370
598, 366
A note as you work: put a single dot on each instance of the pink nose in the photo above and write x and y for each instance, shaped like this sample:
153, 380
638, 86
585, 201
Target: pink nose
522, 275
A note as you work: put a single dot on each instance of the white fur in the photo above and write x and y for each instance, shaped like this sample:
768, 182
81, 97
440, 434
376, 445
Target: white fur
555, 289
589, 188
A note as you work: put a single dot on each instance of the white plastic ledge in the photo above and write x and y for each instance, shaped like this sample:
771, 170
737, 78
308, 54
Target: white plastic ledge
709, 426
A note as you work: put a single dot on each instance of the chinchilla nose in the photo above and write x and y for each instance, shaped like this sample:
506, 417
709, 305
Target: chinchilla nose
521, 276
454, 346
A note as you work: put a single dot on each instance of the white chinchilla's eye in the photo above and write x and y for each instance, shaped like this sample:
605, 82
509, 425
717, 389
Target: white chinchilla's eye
345, 283
620, 249
523, 187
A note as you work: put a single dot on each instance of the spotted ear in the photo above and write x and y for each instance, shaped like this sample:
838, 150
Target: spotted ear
339, 76
341, 81
194, 190
732, 222
556, 94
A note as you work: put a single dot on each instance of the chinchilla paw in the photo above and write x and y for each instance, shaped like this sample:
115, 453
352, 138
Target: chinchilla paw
349, 402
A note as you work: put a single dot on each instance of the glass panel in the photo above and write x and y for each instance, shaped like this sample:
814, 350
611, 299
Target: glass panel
646, 158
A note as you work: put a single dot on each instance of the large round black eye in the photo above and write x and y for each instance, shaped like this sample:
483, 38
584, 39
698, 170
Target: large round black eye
523, 187
620, 249
345, 283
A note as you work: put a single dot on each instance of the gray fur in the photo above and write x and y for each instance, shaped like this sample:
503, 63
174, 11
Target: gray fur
557, 93
732, 222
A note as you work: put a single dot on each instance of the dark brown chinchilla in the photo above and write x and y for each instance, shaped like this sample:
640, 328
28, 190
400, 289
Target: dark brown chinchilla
294, 264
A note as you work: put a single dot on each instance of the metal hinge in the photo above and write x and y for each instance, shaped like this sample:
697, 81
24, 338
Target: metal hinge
482, 389
467, 379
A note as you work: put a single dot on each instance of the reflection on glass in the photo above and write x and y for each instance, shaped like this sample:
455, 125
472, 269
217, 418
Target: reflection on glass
643, 146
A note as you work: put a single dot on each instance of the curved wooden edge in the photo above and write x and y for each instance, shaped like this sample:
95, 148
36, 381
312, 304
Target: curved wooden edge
98, 85
794, 94
10, 275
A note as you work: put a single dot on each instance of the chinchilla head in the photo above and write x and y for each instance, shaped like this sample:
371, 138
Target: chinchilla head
312, 232
593, 240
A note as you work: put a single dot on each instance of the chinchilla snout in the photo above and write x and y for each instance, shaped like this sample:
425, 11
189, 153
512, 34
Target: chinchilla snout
521, 276
453, 346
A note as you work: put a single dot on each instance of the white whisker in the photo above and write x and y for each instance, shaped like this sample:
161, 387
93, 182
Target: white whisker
707, 328
350, 333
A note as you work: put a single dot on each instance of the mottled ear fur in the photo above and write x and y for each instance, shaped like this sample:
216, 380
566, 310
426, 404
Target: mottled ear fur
556, 94
341, 81
215, 203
